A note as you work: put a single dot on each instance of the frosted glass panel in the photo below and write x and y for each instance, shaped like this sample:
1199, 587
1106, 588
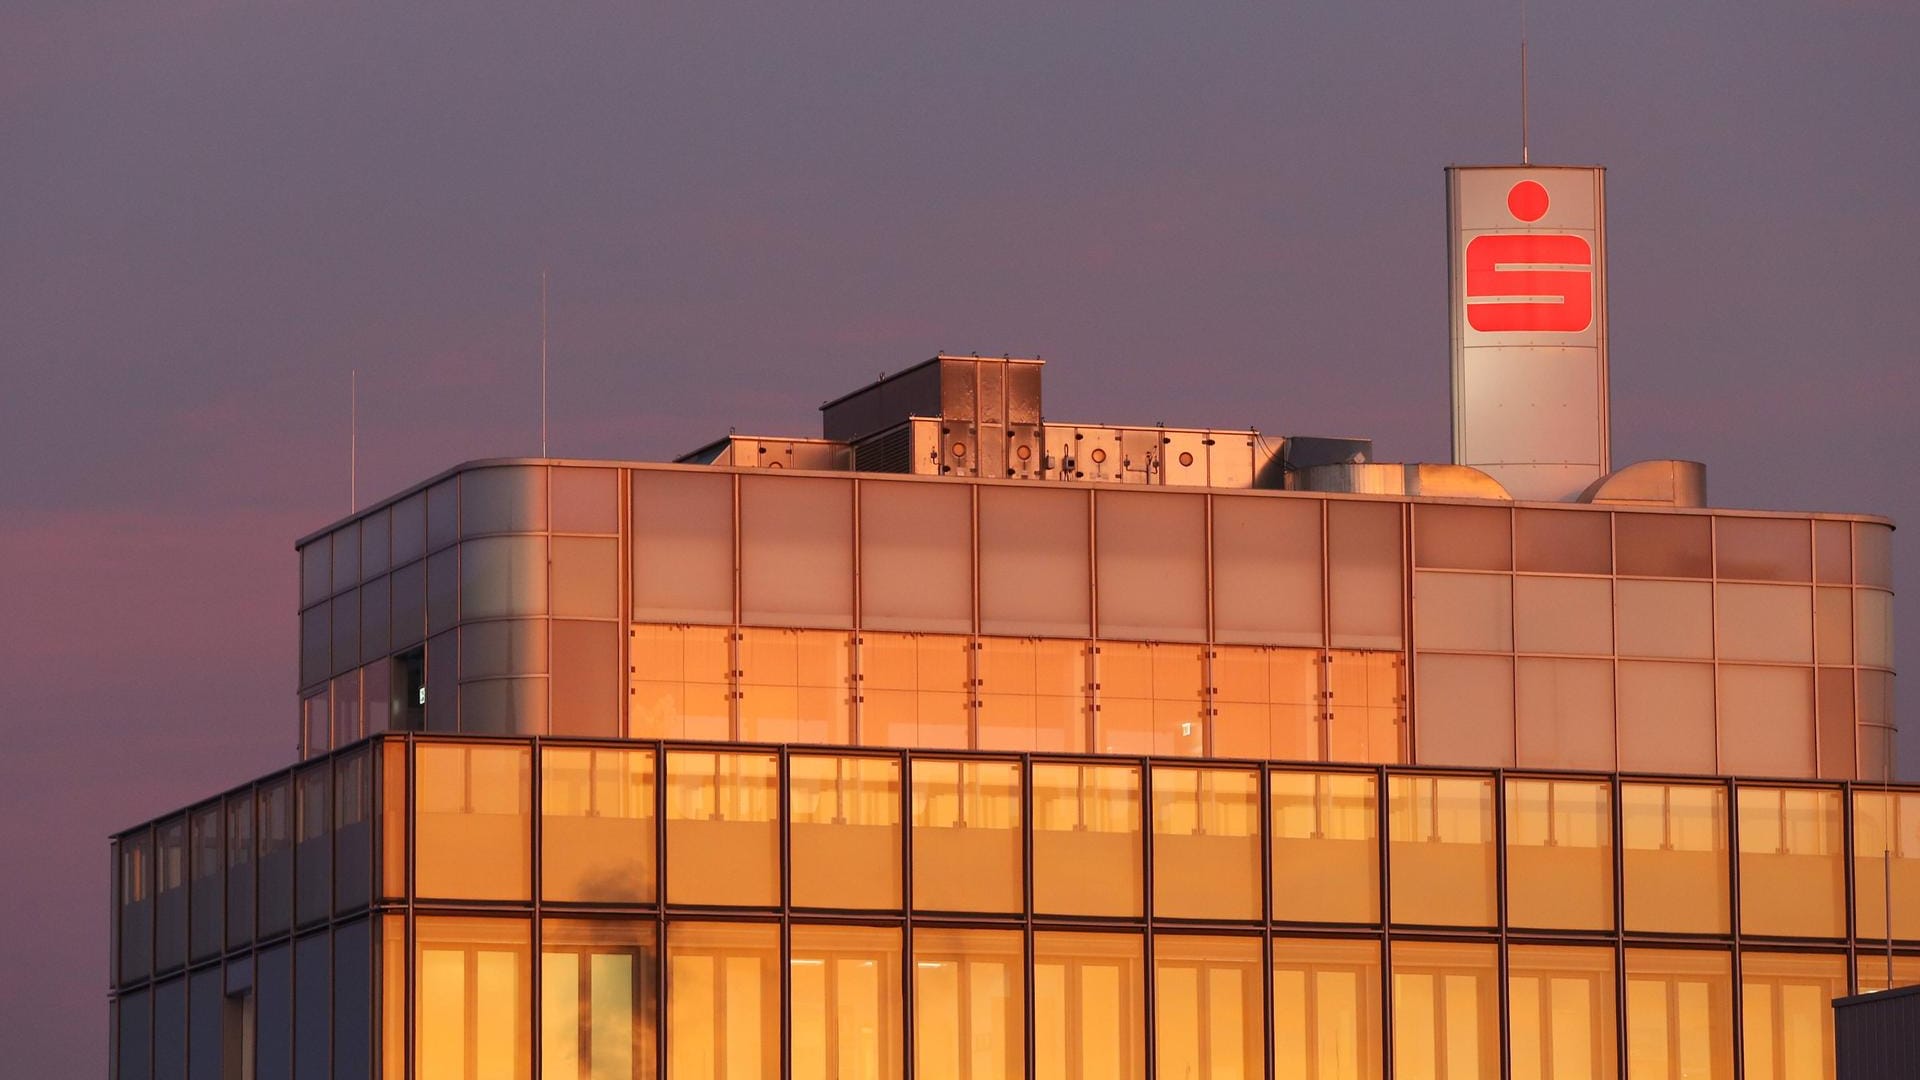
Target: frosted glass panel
1763, 549
1666, 717
1663, 545
1873, 555
1765, 622
503, 500
1563, 541
1152, 569
1463, 711
1873, 627
796, 551
503, 575
1470, 612
1563, 615
1565, 712
1034, 573
1364, 587
1267, 586
586, 577
1665, 618
1766, 721
586, 500
916, 557
1833, 625
1462, 537
1832, 552
682, 547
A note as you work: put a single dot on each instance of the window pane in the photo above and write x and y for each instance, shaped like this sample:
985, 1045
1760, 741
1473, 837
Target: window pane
353, 1000
1833, 691
967, 836
969, 1004
845, 831
316, 644
346, 632
916, 556
312, 1002
597, 822
1787, 1013
1152, 569
376, 638
1465, 709
1367, 695
1679, 1014
1034, 572
1267, 703
1206, 843
1873, 627
1207, 1007
1326, 847
443, 590
1763, 549
1559, 855
682, 547
1664, 618
1560, 1010
316, 571
1462, 537
275, 833
352, 830
1446, 1010
1563, 615
313, 835
1266, 571
409, 528
1791, 878
443, 521
1089, 1006
207, 865
1033, 694
681, 682
503, 575
1886, 839
1364, 583
723, 829
170, 899
1666, 717
1873, 971
472, 821
847, 1012
723, 1001
1463, 611
240, 871
206, 1023
915, 689
1152, 699
1441, 844
1674, 850
1565, 713
507, 647
796, 686
273, 1012
586, 678
796, 551
1766, 721
1563, 541
1765, 622
473, 998
1833, 552
135, 905
586, 500
1833, 625
1873, 555
346, 556
598, 984
586, 577
1326, 1009
1086, 840
1663, 545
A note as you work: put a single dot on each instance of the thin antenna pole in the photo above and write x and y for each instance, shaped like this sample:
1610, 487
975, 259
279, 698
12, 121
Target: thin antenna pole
1525, 159
353, 440
543, 361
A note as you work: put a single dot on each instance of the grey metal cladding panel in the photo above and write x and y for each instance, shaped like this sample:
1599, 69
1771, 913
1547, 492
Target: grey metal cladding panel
1877, 1036
914, 392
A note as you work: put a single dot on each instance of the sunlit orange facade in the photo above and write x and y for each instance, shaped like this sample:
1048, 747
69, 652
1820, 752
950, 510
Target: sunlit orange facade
708, 771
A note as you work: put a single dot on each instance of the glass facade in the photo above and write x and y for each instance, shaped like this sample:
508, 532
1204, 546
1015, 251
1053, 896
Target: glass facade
675, 910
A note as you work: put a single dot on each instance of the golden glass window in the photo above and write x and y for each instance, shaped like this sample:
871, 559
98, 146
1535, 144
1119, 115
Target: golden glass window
1446, 1010
723, 829
1206, 843
597, 825
1033, 694
1208, 1006
796, 686
969, 1004
1792, 877
846, 1003
1872, 972
1366, 706
1886, 841
845, 831
393, 820
473, 999
723, 1001
1560, 1013
1440, 839
1786, 1013
391, 1007
968, 841
1089, 1006
1674, 853
1152, 698
681, 682
1267, 703
1559, 854
598, 984
1086, 840
1326, 847
1679, 1013
915, 690
473, 821
1326, 1009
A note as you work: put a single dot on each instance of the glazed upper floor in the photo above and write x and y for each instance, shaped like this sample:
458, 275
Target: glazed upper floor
614, 599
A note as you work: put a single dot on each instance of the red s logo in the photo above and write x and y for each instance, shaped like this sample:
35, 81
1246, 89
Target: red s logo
1529, 282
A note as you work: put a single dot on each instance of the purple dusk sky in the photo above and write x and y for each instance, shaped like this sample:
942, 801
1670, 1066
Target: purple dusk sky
1220, 214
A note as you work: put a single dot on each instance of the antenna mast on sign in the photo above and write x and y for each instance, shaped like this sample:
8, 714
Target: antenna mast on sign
1524, 158
543, 361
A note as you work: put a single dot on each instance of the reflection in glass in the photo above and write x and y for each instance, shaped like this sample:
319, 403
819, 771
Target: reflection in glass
1326, 1009
597, 822
682, 682
1560, 1013
1086, 840
967, 836
1440, 832
723, 829
1674, 851
1792, 880
1326, 847
845, 1003
473, 821
723, 1001
1446, 1010
1559, 854
844, 831
1089, 1006
1152, 698
1367, 699
597, 987
969, 991
915, 689
473, 999
1679, 1014
1886, 840
1033, 694
1267, 703
1207, 1007
796, 686
1206, 843
1786, 1013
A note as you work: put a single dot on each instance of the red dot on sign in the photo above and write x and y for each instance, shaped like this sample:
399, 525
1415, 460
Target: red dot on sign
1527, 200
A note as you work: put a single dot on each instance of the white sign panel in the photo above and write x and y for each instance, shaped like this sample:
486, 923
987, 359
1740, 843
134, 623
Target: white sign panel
1528, 298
